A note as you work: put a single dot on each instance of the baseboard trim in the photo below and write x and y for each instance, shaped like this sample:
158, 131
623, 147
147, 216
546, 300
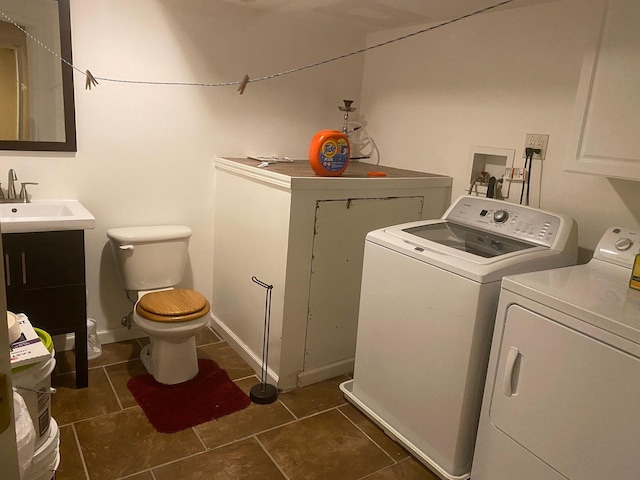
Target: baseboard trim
325, 372
242, 348
65, 342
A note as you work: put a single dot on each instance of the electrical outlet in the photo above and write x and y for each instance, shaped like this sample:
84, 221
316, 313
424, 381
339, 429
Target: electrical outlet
535, 140
508, 174
519, 175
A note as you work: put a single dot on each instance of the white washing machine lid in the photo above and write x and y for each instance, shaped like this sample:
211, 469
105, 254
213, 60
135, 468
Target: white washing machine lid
478, 244
469, 265
597, 293
484, 239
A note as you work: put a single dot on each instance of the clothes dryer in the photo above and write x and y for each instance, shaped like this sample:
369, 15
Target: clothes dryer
427, 308
562, 388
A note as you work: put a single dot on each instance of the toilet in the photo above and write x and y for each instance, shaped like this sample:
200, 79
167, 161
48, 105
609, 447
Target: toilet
151, 262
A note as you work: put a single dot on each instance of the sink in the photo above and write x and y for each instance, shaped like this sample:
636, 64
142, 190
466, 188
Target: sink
45, 216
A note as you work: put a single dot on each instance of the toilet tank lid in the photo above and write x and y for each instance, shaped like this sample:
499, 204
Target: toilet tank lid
155, 233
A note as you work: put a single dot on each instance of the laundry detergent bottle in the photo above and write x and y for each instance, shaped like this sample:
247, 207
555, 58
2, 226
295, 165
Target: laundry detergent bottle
329, 153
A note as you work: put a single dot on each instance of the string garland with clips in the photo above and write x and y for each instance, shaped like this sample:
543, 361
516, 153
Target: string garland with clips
92, 80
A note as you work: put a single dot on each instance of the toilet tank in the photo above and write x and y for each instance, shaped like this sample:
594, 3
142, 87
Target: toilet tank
150, 257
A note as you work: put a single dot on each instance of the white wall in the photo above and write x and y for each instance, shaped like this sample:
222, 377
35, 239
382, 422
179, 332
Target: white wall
145, 152
488, 81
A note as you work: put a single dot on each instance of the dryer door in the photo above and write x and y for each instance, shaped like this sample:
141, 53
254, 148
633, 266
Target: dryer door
569, 399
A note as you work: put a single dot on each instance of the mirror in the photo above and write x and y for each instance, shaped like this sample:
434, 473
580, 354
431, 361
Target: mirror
37, 84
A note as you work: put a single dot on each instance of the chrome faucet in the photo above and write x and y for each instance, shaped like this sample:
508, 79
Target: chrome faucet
11, 189
12, 196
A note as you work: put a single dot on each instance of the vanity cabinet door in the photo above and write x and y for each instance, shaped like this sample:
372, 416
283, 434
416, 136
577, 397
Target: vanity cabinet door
45, 280
47, 259
56, 310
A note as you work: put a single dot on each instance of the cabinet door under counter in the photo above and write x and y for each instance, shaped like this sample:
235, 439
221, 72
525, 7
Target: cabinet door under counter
45, 280
304, 234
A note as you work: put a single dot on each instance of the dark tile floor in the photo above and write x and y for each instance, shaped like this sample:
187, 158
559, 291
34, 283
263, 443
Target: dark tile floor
309, 433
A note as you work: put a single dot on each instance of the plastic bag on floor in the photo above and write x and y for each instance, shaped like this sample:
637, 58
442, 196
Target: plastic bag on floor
25, 433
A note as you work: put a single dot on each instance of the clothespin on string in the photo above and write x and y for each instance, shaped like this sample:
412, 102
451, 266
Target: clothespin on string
91, 81
243, 84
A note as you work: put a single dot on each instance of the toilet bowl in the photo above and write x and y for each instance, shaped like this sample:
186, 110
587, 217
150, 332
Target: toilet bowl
172, 318
151, 262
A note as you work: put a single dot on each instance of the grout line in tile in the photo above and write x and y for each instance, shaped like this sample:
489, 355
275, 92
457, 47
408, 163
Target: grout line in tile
253, 435
131, 475
160, 465
369, 475
271, 457
116, 362
335, 407
84, 465
113, 389
366, 435
247, 377
295, 419
288, 409
200, 438
407, 459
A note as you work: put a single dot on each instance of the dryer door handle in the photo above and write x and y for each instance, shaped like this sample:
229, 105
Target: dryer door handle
507, 380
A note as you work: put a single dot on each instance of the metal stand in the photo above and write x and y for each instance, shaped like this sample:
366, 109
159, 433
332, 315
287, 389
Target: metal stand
346, 109
263, 392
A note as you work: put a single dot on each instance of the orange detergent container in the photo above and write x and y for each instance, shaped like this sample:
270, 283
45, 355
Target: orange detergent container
329, 153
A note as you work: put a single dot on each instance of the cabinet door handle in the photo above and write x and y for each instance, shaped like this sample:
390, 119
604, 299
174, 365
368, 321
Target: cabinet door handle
7, 270
507, 380
24, 268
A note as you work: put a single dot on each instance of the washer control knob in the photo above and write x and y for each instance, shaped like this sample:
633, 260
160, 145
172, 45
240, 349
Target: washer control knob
500, 216
624, 244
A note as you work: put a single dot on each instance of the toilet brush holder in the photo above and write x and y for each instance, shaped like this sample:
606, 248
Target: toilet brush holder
263, 392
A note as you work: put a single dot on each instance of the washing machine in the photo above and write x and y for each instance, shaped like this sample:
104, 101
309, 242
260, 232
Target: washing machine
561, 400
428, 303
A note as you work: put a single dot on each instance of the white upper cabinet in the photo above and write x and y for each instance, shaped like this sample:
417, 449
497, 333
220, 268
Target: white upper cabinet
605, 139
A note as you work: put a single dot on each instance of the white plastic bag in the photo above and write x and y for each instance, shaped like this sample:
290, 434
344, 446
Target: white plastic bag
25, 433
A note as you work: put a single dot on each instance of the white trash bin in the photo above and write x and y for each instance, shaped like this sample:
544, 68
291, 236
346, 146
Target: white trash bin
94, 350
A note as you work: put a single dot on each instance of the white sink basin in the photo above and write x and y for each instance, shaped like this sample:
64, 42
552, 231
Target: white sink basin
45, 216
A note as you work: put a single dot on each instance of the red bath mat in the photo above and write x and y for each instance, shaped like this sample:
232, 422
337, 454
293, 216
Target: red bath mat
171, 408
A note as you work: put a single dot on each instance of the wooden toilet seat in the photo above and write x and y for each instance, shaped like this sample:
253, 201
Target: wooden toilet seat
178, 305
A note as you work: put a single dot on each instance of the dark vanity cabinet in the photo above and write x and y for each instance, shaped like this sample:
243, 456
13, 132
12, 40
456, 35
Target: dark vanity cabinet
45, 280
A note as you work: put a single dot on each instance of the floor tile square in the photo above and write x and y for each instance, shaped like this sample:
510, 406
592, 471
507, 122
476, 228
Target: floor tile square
70, 404
124, 443
253, 419
314, 398
239, 461
70, 467
207, 336
375, 433
323, 446
409, 469
227, 359
120, 374
111, 353
117, 352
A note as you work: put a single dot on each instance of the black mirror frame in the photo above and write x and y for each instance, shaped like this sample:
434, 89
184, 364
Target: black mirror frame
70, 143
